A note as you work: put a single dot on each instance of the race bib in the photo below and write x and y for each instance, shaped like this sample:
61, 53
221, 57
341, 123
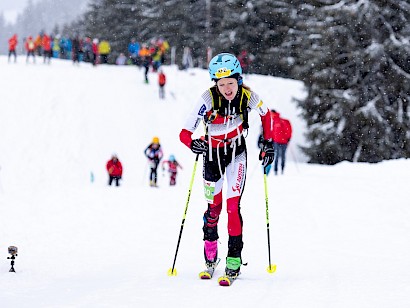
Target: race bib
209, 190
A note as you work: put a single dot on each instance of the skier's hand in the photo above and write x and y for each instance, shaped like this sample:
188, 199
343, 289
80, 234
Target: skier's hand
267, 153
199, 146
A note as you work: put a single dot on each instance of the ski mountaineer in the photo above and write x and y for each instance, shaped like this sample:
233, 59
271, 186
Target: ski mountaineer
173, 166
154, 154
224, 110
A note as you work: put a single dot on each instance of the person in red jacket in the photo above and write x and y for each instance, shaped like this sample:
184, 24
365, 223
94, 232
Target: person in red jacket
12, 47
114, 168
30, 47
46, 45
161, 82
282, 133
224, 110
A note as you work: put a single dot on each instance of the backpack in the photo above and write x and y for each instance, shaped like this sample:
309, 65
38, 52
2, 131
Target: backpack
282, 131
161, 79
287, 129
217, 104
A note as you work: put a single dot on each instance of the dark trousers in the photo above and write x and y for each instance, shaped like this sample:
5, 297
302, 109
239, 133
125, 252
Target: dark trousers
31, 53
114, 178
153, 175
161, 91
280, 153
104, 58
13, 52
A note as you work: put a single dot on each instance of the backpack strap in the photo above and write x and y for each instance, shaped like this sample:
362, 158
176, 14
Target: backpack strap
243, 105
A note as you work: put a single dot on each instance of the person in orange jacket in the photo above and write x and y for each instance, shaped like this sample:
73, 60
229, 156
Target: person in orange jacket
37, 44
114, 168
12, 47
145, 56
30, 47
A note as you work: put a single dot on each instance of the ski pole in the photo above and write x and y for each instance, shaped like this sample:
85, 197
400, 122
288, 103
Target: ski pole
272, 267
172, 271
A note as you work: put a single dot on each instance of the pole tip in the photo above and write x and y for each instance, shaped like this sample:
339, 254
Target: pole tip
172, 272
271, 268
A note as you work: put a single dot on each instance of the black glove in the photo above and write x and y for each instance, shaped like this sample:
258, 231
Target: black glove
199, 146
267, 153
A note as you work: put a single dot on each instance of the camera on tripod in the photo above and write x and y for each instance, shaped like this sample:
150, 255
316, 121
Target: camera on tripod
13, 251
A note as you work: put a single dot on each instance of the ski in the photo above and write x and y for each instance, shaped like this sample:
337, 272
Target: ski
227, 280
209, 272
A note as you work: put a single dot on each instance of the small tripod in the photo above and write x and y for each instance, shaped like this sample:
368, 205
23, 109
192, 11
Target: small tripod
13, 252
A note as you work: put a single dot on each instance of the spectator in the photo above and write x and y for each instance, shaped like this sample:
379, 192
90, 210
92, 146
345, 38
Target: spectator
187, 61
133, 51
104, 49
114, 168
121, 59
12, 47
76, 49
30, 47
94, 47
46, 45
282, 133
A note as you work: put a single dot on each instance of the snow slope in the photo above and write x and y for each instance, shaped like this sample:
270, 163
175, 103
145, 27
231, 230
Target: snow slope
339, 234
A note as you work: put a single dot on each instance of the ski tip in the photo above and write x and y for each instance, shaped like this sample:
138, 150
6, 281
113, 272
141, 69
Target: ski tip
271, 268
205, 275
224, 281
172, 272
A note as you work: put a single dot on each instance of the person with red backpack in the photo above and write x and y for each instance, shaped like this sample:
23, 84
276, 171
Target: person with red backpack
161, 82
282, 133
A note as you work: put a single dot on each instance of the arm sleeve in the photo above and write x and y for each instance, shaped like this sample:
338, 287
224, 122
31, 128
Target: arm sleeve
255, 103
267, 126
203, 105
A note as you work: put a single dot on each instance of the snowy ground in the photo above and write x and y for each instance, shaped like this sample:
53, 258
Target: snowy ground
339, 234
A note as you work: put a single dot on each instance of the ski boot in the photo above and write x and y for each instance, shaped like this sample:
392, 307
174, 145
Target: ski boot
211, 259
232, 271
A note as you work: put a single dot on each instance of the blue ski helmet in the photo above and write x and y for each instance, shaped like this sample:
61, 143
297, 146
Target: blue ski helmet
171, 157
224, 65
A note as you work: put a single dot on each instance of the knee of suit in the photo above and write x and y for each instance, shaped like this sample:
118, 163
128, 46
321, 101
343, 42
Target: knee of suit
232, 205
234, 217
217, 199
211, 216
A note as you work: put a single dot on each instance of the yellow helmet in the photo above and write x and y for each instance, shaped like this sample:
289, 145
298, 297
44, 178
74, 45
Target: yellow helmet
155, 140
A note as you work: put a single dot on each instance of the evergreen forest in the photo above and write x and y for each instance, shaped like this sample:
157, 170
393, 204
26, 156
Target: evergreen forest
353, 57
